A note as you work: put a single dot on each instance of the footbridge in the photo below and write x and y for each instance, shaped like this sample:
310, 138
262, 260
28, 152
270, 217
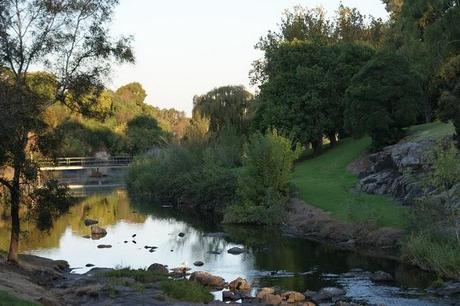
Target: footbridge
81, 163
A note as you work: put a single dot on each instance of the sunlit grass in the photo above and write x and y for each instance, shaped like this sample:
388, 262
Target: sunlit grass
326, 183
435, 130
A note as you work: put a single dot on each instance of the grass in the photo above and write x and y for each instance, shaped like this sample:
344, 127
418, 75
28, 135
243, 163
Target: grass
185, 290
326, 183
7, 299
433, 254
141, 276
435, 130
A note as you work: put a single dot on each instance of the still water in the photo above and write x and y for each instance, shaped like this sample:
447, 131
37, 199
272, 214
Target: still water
271, 260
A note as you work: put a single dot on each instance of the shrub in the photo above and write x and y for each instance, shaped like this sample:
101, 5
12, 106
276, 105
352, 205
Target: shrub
263, 184
185, 290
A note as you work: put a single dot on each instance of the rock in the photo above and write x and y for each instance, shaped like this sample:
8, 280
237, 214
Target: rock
104, 246
98, 231
265, 291
181, 235
306, 304
207, 279
179, 272
89, 222
89, 265
293, 296
235, 251
134, 235
272, 299
239, 284
215, 252
230, 296
47, 301
381, 276
126, 241
328, 293
158, 268
198, 263
152, 250
134, 241
86, 236
448, 289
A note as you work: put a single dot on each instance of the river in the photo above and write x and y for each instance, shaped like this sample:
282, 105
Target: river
271, 259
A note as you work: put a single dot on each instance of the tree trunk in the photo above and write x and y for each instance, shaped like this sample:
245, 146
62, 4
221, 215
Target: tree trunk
316, 146
332, 138
15, 225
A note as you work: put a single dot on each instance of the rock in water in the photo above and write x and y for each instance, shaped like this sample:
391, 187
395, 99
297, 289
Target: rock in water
207, 279
236, 251
89, 222
293, 296
158, 268
328, 293
181, 235
239, 284
381, 276
265, 291
198, 263
89, 265
104, 246
98, 231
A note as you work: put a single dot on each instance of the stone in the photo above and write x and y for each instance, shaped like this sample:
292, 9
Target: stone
265, 291
158, 268
89, 222
230, 296
272, 299
381, 276
98, 231
239, 284
179, 272
47, 301
293, 296
306, 304
207, 279
235, 251
89, 265
448, 289
86, 236
214, 252
104, 246
198, 263
328, 293
181, 235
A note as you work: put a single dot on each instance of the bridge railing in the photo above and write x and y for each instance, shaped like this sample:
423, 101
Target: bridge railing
86, 162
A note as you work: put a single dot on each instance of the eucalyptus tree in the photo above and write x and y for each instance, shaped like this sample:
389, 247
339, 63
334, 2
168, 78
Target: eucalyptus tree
69, 39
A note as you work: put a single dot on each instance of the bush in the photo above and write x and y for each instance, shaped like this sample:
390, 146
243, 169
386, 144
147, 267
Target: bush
263, 184
185, 290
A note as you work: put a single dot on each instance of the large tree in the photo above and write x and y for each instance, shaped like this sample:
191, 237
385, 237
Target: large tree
224, 107
382, 99
69, 39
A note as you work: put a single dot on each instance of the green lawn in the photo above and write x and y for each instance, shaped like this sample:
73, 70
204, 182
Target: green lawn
326, 183
8, 300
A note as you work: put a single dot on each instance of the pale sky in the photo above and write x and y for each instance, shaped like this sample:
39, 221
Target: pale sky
188, 47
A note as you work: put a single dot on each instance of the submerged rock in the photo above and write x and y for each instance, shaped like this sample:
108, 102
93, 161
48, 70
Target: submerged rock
198, 263
447, 289
207, 279
181, 235
325, 294
104, 246
381, 276
236, 251
89, 222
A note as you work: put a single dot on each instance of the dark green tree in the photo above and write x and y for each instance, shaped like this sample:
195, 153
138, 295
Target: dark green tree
382, 99
71, 39
143, 134
224, 106
449, 104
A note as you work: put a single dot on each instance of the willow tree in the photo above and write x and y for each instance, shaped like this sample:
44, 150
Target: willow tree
70, 39
224, 107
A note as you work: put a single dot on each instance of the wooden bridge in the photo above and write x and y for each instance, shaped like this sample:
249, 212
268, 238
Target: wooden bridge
80, 163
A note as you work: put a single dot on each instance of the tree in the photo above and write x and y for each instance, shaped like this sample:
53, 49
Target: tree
143, 134
382, 99
224, 106
71, 40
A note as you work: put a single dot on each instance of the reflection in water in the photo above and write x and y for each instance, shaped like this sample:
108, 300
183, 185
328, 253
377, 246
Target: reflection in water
271, 260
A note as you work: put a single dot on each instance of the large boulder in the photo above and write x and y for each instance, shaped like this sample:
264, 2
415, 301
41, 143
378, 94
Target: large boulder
293, 296
208, 280
239, 284
158, 269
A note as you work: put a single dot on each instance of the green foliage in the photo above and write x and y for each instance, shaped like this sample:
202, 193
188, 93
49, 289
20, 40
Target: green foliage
263, 183
7, 299
224, 107
445, 169
325, 182
432, 254
49, 202
143, 133
382, 99
141, 276
185, 290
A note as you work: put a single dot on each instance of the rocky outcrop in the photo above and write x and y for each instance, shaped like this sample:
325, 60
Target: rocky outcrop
208, 280
239, 284
397, 171
158, 269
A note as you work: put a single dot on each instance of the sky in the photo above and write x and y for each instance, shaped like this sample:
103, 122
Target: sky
189, 47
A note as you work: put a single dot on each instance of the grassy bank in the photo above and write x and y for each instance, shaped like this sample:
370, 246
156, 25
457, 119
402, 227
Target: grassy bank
7, 299
326, 183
